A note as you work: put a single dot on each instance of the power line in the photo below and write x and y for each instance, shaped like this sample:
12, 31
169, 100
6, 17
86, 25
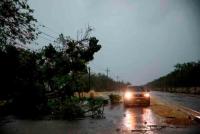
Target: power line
36, 43
48, 35
47, 27
46, 38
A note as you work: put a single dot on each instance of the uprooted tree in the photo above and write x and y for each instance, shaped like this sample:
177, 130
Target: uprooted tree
29, 78
63, 66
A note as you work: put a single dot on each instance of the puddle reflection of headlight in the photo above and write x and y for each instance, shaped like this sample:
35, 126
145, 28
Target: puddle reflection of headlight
128, 95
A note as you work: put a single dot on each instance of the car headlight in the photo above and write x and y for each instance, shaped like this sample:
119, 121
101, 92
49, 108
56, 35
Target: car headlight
128, 95
146, 95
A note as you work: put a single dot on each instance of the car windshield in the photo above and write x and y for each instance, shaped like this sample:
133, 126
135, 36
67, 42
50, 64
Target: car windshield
136, 88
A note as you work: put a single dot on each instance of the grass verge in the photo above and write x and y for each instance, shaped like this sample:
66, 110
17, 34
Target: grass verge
172, 114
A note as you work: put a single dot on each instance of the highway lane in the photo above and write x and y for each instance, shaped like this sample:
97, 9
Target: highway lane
186, 100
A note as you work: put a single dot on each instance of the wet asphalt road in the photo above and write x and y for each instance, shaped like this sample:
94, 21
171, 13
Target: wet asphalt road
190, 101
118, 120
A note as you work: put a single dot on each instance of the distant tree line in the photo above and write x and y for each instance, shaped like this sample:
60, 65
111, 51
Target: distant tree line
100, 82
184, 75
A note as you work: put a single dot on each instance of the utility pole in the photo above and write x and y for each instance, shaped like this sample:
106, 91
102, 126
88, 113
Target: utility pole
89, 78
117, 78
107, 71
118, 85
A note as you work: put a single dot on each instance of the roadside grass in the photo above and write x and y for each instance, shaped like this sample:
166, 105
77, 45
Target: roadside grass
172, 114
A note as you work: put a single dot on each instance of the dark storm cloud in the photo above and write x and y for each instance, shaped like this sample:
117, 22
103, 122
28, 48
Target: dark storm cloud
141, 39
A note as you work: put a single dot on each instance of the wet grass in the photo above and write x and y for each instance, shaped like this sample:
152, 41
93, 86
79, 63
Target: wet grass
172, 114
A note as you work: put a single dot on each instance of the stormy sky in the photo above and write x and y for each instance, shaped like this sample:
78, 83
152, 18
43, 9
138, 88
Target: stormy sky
141, 39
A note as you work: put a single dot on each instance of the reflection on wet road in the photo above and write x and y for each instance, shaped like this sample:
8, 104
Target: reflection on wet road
138, 118
118, 120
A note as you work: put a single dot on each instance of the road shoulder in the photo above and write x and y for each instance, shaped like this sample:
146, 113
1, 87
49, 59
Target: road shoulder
172, 114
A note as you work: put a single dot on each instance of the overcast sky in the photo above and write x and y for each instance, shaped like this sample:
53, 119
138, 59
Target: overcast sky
141, 39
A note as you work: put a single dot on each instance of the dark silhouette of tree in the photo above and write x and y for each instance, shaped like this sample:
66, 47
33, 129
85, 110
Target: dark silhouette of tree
17, 22
27, 77
79, 53
21, 84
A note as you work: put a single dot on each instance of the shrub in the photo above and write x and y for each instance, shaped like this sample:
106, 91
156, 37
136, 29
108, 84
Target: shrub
73, 108
72, 111
114, 98
69, 109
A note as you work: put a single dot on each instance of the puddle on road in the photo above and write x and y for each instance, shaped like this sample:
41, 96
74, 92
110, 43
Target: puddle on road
133, 119
138, 118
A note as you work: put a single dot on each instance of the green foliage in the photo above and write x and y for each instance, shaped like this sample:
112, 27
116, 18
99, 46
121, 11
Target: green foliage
72, 108
17, 22
97, 101
114, 98
184, 75
96, 106
71, 111
68, 109
53, 104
